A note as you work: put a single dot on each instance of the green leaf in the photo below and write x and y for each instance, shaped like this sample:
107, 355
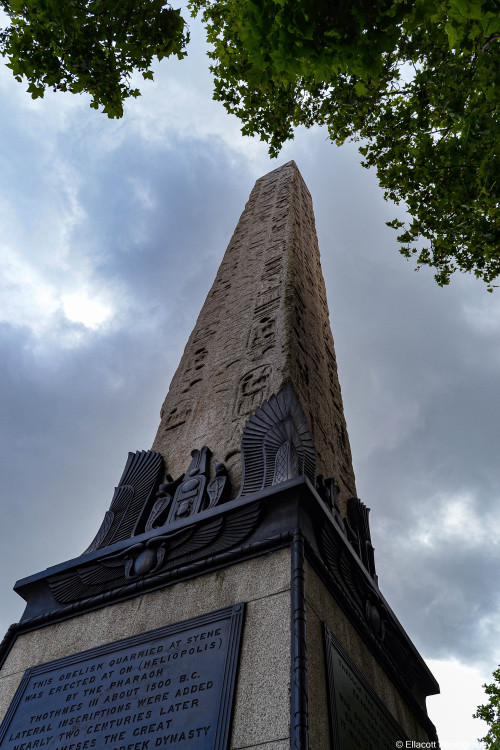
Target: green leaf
415, 83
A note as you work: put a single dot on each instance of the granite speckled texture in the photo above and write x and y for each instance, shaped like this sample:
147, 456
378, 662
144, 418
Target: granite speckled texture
278, 745
262, 711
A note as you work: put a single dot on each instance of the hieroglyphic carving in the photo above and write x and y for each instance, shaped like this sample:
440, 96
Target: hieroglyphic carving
262, 337
193, 373
252, 389
177, 416
219, 489
272, 270
159, 512
189, 494
264, 323
267, 307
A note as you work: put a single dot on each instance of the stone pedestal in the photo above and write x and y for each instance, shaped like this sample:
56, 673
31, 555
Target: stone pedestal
295, 572
261, 704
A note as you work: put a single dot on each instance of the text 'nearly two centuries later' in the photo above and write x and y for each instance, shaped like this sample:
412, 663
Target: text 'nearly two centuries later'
162, 693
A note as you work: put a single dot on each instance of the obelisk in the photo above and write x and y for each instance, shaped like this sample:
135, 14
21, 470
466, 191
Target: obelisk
264, 323
229, 600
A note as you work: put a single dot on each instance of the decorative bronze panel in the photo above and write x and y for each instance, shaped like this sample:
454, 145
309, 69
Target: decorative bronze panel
167, 686
139, 479
277, 443
358, 718
155, 555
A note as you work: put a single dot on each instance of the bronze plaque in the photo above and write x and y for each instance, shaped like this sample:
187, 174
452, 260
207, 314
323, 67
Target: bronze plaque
168, 687
358, 718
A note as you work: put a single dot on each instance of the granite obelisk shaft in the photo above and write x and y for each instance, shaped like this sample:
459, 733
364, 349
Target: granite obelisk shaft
264, 323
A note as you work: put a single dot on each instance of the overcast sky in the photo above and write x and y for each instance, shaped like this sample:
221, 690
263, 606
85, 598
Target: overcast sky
111, 235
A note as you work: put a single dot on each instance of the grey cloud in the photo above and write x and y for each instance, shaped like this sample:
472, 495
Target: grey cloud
419, 379
71, 415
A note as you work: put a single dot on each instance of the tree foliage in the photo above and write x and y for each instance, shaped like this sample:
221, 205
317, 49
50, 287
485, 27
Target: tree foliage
416, 82
89, 45
490, 713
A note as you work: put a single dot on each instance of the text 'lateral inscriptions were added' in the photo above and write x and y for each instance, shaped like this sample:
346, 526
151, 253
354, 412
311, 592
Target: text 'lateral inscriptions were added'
171, 687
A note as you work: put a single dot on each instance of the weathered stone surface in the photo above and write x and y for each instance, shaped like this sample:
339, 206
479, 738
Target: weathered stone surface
264, 323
